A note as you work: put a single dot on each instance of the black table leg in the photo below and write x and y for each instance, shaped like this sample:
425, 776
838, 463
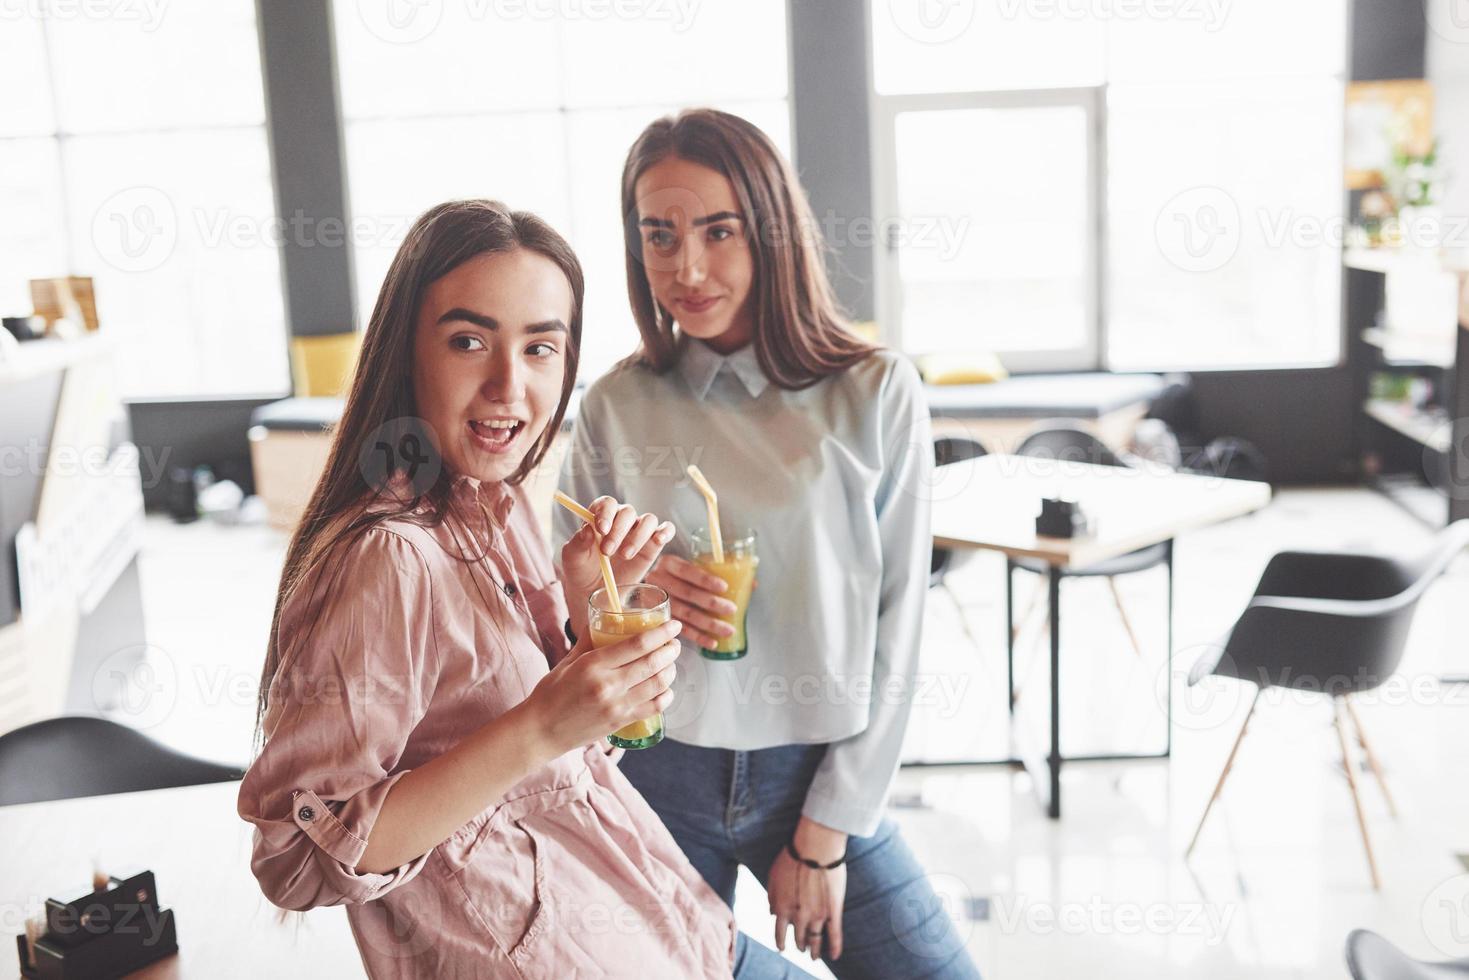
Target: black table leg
1045, 771
1168, 553
1053, 808
1010, 631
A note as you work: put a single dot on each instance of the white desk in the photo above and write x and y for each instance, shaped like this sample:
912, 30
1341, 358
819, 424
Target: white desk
990, 503
199, 851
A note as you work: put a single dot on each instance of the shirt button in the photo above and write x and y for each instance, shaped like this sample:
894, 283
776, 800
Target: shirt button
510, 589
307, 813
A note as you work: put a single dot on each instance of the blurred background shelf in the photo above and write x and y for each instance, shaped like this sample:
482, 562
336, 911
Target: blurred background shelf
1424, 428
1401, 349
1419, 442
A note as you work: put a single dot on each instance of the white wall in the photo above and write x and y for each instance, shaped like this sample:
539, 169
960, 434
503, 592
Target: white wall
1448, 69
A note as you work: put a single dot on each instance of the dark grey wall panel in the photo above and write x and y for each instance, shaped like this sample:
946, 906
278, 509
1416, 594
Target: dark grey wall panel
304, 124
829, 85
1304, 422
1389, 39
1457, 472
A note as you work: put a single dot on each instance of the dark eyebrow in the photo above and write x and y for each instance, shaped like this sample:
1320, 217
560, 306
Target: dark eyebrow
709, 219
490, 323
469, 316
697, 222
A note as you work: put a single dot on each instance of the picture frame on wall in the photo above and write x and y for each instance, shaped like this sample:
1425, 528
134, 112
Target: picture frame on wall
1380, 116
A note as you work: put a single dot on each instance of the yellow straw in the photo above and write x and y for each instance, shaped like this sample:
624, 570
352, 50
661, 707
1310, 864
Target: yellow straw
711, 500
613, 598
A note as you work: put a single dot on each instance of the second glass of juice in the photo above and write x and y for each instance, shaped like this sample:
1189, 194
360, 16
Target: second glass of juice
738, 572
643, 607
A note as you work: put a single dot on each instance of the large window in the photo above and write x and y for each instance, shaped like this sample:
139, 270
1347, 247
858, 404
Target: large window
997, 247
139, 158
478, 99
1131, 186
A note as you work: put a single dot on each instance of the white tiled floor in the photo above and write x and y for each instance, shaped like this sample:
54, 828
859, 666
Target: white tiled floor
1279, 877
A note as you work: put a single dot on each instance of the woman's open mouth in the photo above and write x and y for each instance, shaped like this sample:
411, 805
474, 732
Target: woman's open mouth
496, 435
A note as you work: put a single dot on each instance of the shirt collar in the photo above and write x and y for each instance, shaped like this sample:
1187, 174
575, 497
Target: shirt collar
700, 364
472, 498
492, 499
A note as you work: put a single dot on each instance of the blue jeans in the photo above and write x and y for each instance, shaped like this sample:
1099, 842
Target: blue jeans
754, 961
730, 808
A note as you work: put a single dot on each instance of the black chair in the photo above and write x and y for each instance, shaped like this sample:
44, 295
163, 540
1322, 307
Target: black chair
1370, 957
1329, 623
1064, 441
947, 450
64, 758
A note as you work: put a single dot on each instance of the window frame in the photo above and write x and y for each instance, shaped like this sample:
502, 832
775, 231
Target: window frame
885, 109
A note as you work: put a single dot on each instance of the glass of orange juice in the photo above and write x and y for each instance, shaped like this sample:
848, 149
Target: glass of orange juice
738, 572
643, 607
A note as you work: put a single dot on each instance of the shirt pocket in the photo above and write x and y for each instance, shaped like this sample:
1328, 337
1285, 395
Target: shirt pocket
503, 885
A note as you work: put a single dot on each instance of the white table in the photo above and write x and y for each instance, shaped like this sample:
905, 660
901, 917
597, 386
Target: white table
199, 851
990, 503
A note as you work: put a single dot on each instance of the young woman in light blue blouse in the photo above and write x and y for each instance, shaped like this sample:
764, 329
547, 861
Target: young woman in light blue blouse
820, 443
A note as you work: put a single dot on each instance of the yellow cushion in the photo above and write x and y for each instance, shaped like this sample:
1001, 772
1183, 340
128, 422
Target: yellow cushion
322, 366
973, 368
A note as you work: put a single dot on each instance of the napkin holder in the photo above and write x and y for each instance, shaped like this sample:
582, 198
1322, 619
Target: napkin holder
1063, 519
106, 933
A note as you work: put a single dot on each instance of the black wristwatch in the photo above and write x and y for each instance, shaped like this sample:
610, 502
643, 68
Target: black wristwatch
569, 634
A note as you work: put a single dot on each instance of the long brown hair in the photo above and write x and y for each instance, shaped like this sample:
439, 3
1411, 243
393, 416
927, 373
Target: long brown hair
381, 398
801, 335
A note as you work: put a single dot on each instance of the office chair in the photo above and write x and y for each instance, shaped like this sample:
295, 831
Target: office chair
947, 450
1370, 957
71, 756
1329, 623
1062, 440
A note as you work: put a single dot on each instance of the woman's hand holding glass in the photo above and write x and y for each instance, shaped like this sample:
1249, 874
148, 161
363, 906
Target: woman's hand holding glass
631, 541
595, 691
697, 597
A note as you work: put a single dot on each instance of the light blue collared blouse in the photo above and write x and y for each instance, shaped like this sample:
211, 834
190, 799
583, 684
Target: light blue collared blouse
833, 479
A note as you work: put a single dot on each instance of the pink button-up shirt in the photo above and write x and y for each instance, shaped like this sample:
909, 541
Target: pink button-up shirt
570, 874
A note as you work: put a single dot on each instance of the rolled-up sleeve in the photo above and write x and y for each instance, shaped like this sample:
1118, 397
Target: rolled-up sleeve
359, 667
851, 785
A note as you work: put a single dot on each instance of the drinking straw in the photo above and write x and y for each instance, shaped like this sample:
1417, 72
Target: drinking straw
613, 598
711, 500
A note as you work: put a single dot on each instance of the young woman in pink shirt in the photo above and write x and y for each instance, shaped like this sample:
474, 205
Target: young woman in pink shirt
434, 755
